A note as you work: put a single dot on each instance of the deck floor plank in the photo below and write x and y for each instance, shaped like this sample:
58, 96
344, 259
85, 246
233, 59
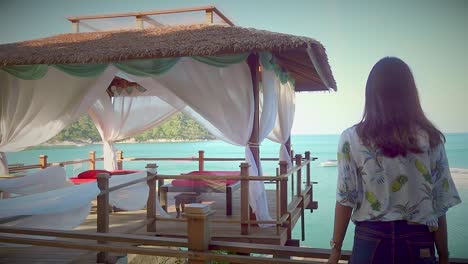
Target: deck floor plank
128, 222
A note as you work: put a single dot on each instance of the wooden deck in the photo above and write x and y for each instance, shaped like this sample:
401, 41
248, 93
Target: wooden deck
134, 222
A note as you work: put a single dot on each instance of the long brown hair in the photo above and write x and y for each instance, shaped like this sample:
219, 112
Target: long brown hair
392, 112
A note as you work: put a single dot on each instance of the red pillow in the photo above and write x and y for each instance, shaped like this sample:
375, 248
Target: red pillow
91, 174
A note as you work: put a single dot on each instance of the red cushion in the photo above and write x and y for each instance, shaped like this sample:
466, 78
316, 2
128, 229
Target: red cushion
81, 181
184, 182
91, 174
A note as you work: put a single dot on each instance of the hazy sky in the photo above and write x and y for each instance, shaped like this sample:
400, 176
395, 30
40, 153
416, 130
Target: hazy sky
431, 36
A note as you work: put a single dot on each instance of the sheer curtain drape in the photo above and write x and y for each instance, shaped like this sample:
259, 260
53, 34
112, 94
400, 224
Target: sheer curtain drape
33, 111
48, 179
125, 115
221, 99
61, 209
284, 120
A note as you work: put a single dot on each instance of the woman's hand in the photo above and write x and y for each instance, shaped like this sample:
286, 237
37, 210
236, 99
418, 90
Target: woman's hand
334, 256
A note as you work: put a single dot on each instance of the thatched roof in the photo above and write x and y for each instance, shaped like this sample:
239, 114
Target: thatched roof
180, 41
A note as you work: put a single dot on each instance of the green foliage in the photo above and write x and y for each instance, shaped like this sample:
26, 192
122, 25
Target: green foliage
81, 130
178, 127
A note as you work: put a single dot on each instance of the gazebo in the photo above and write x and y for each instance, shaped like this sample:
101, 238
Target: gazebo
239, 83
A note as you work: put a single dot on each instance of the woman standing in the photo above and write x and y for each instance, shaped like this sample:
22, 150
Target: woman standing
393, 176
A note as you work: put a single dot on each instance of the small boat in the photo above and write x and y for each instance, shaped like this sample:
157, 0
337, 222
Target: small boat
329, 163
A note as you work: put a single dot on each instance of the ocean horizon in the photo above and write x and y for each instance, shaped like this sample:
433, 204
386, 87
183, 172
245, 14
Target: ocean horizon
319, 224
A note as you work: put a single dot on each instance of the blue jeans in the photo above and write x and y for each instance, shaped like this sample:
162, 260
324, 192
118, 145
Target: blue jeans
392, 243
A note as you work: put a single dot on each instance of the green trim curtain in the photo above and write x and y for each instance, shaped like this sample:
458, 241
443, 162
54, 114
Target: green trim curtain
144, 67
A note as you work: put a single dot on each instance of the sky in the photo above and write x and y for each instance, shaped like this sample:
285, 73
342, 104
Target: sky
430, 36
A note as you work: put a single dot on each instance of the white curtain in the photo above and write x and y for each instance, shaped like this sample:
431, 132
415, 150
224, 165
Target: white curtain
48, 179
60, 209
221, 99
284, 120
133, 197
33, 111
126, 115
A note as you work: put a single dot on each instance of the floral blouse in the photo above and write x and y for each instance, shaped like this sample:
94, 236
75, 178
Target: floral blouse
417, 188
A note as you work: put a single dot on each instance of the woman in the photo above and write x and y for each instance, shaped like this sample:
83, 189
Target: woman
393, 176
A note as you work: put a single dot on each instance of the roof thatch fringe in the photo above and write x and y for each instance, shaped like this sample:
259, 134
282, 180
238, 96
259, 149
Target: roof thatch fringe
178, 41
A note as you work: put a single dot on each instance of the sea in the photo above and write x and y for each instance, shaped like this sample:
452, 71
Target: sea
318, 224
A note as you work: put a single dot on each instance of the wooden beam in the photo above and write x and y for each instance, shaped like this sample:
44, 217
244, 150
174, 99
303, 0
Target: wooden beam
148, 13
201, 160
75, 26
103, 213
223, 17
43, 161
245, 225
209, 16
253, 63
119, 238
92, 160
139, 22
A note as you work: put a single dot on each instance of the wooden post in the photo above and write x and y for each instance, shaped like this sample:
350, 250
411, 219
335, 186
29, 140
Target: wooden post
103, 212
151, 170
284, 188
284, 194
278, 201
76, 26
245, 223
201, 160
299, 175
253, 63
43, 161
288, 146
119, 160
198, 227
209, 16
92, 160
292, 156
139, 22
299, 194
307, 157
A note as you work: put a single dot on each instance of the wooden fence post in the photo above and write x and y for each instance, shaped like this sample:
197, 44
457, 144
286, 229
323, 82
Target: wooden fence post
307, 157
284, 188
201, 160
119, 160
103, 212
245, 219
43, 161
299, 194
299, 175
292, 175
92, 160
198, 227
151, 170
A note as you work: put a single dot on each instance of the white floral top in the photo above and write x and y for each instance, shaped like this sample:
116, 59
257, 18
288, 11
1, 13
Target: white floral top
417, 188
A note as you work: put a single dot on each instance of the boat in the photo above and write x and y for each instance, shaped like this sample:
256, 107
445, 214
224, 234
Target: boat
329, 163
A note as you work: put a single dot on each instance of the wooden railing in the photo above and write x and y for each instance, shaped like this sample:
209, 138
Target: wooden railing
198, 239
288, 210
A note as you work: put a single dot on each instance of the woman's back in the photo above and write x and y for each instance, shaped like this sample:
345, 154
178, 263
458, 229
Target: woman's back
416, 187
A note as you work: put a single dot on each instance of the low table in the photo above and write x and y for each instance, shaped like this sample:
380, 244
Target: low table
185, 198
193, 186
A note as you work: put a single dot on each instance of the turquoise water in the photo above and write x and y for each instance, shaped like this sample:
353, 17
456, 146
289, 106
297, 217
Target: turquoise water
319, 224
